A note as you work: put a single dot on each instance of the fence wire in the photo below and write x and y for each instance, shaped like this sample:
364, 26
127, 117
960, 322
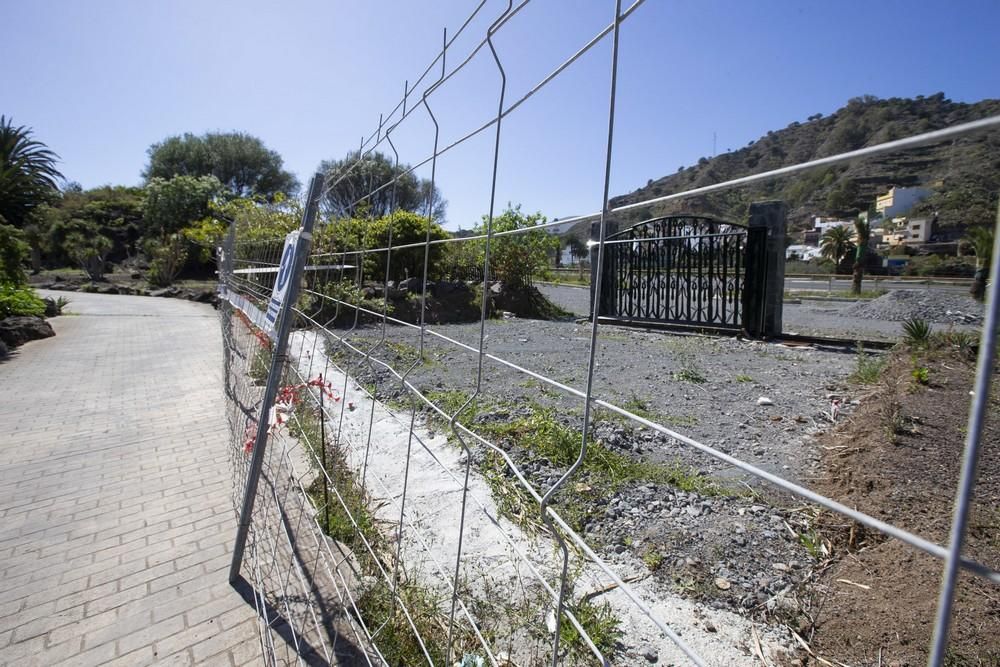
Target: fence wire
406, 530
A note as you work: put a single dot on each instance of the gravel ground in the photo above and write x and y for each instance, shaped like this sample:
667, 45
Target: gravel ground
703, 387
763, 403
731, 552
637, 530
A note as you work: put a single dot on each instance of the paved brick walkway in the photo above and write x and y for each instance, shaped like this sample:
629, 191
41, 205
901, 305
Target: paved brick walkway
116, 519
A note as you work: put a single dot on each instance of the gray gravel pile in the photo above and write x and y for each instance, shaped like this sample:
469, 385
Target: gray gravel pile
933, 306
735, 553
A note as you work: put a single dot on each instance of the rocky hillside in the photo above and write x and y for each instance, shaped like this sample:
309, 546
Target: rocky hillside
964, 173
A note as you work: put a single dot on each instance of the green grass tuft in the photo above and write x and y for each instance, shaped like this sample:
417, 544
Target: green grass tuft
869, 367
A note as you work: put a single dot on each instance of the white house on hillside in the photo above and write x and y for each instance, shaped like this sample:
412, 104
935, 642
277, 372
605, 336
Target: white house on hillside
900, 200
803, 252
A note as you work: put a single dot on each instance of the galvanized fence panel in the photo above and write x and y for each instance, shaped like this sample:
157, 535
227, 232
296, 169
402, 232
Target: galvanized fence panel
370, 533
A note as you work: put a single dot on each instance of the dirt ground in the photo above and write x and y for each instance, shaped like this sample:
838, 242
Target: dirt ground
898, 458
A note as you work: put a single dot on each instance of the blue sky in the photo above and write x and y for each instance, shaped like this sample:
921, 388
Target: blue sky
101, 80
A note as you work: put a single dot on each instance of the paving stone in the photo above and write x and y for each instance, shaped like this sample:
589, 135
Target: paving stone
116, 516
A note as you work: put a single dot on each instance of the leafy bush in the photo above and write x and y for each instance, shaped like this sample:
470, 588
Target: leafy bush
114, 213
462, 260
334, 302
16, 300
348, 235
13, 251
406, 228
176, 203
255, 220
90, 251
934, 265
516, 258
168, 259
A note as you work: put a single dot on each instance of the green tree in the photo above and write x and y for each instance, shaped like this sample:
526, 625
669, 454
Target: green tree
981, 240
255, 220
407, 228
353, 234
863, 231
836, 244
517, 258
174, 204
167, 259
13, 250
115, 212
351, 184
35, 233
89, 249
28, 173
241, 162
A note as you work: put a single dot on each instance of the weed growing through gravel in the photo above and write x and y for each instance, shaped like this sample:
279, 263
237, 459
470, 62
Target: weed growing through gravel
409, 353
680, 420
689, 371
348, 519
869, 367
600, 623
653, 559
743, 378
261, 365
965, 343
692, 375
644, 411
640, 408
541, 437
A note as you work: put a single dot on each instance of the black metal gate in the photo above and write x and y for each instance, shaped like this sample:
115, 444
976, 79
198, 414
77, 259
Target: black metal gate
682, 270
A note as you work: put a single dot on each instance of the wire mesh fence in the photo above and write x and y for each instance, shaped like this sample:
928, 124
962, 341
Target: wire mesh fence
397, 507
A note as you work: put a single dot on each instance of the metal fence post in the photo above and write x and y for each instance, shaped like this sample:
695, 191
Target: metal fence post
763, 294
284, 325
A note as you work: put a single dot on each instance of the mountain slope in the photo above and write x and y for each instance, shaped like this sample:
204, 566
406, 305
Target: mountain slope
964, 173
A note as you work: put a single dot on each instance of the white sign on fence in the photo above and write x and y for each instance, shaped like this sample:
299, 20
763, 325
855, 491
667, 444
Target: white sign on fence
283, 280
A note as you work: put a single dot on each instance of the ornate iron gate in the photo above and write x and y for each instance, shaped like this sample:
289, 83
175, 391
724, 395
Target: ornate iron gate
683, 270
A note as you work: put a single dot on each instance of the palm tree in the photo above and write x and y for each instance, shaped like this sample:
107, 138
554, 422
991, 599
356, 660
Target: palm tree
28, 176
981, 240
836, 244
863, 231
